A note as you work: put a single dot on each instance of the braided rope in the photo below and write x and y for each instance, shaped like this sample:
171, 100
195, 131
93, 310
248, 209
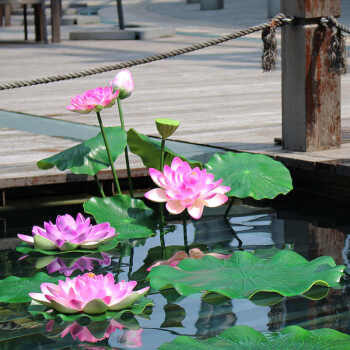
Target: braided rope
278, 21
340, 26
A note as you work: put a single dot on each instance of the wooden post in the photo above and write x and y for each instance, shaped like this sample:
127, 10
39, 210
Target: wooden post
310, 92
56, 8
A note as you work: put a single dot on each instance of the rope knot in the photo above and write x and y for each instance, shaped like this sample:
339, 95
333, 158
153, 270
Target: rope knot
337, 48
269, 56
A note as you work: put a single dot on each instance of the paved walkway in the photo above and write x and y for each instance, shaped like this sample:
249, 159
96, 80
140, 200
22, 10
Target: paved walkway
219, 94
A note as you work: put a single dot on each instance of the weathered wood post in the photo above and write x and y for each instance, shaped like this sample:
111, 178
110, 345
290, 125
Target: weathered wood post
310, 91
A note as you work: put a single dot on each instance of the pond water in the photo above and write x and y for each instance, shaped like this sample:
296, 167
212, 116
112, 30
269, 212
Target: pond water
311, 230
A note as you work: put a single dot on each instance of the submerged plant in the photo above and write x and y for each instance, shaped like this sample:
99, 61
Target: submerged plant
182, 187
69, 234
88, 293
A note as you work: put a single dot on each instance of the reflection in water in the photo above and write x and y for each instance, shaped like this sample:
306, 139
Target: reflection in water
214, 318
97, 332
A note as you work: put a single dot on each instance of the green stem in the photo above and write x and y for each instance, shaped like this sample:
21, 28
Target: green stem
162, 147
161, 229
100, 187
115, 177
131, 262
229, 207
126, 152
184, 224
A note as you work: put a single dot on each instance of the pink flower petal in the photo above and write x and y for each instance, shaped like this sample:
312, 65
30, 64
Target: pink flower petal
175, 207
216, 201
156, 195
25, 238
196, 210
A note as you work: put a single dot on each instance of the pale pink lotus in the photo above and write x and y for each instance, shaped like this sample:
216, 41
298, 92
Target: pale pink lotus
194, 253
93, 100
182, 187
123, 82
69, 234
88, 293
83, 333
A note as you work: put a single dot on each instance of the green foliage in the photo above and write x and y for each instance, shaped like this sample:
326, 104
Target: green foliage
130, 217
244, 275
90, 156
246, 338
148, 150
137, 308
15, 289
250, 175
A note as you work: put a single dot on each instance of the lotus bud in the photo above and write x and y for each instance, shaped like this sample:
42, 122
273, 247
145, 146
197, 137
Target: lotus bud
123, 82
166, 127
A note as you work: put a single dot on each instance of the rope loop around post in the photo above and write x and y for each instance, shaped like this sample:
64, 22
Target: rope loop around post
337, 48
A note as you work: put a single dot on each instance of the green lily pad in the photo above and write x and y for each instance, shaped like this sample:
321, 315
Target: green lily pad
90, 156
250, 175
138, 308
130, 217
244, 275
15, 289
148, 150
246, 338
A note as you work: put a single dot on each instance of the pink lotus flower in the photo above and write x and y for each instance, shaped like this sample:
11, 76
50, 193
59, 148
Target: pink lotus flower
84, 263
69, 234
184, 188
83, 333
194, 253
123, 82
93, 100
89, 293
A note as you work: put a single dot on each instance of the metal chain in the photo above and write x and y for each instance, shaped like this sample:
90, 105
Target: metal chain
278, 21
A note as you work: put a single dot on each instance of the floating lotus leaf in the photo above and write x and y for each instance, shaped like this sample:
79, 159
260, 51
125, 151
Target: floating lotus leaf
250, 175
90, 156
148, 150
130, 217
246, 338
243, 275
137, 308
15, 289
28, 249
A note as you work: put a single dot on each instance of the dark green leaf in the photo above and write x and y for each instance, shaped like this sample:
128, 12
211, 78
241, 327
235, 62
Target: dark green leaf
246, 338
250, 175
243, 275
15, 289
130, 217
148, 150
90, 156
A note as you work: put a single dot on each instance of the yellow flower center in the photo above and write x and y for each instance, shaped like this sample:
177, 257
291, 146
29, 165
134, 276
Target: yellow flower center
91, 275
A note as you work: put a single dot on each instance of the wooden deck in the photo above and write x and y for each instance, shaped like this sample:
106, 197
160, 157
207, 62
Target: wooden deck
219, 94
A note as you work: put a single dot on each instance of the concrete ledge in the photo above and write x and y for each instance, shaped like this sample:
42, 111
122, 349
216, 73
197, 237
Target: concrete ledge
132, 33
149, 33
211, 5
103, 35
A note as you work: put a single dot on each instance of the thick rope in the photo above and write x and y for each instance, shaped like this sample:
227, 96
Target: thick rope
269, 56
337, 47
277, 21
